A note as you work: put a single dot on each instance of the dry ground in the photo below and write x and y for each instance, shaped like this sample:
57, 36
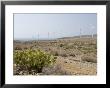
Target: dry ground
77, 56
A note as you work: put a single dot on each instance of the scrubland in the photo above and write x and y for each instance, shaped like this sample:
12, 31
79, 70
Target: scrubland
75, 56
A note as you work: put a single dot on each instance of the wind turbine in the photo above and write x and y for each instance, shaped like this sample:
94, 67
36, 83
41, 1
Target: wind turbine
92, 27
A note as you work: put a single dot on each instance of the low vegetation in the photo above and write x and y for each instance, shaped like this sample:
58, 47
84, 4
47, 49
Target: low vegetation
89, 58
56, 57
33, 59
55, 70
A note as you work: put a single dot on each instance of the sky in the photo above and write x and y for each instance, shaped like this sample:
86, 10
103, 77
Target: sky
45, 26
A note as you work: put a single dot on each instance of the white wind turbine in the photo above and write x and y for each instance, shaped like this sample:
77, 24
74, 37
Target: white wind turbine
92, 27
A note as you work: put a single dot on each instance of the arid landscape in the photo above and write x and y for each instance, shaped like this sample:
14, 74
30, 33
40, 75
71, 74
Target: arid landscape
72, 56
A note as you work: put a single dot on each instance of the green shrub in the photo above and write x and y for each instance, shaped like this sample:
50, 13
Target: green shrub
33, 59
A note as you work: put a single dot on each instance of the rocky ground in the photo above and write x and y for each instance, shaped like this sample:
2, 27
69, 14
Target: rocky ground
77, 56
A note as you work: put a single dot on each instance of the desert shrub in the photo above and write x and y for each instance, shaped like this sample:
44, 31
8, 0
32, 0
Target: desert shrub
89, 51
89, 58
33, 59
63, 53
61, 45
55, 70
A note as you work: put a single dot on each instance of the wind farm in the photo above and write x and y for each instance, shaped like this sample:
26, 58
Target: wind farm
55, 44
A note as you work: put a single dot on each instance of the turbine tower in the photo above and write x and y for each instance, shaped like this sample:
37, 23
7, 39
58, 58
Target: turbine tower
92, 28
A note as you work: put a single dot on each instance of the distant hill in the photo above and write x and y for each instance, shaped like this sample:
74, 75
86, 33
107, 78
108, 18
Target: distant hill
83, 36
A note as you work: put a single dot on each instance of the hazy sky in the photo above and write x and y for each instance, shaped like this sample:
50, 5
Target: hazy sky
53, 25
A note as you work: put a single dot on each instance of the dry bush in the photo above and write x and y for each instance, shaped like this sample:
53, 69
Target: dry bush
58, 52
63, 53
61, 45
89, 58
54, 70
